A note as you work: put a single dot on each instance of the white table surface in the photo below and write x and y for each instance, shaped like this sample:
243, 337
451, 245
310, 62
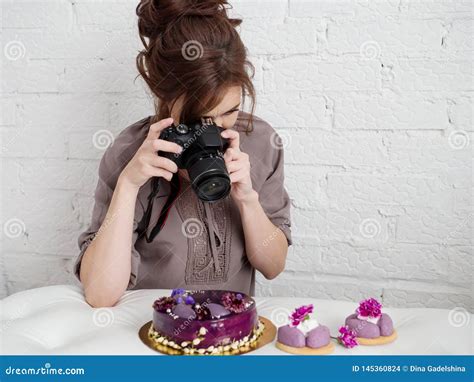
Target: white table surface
57, 320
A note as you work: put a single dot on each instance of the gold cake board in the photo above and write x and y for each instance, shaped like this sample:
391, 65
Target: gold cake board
268, 335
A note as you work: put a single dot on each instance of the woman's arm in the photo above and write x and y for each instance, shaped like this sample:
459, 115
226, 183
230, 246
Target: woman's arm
106, 264
266, 245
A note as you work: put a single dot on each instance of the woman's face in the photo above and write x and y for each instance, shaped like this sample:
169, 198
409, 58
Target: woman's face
224, 114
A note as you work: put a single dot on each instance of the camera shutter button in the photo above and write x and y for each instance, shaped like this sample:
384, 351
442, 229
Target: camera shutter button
182, 129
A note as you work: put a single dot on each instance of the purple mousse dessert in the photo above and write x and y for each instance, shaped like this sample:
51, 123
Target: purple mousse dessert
205, 322
368, 321
303, 330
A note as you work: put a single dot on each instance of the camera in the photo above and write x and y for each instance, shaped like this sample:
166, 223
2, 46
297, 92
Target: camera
202, 156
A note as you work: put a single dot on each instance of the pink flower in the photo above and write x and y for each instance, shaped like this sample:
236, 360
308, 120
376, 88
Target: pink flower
347, 337
369, 308
233, 302
300, 314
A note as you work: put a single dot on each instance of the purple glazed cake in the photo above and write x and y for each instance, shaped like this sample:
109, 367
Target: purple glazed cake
206, 322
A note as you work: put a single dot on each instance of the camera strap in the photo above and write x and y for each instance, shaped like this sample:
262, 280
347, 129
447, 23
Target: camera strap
175, 186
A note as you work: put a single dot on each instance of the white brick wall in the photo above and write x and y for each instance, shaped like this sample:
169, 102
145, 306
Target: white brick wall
372, 98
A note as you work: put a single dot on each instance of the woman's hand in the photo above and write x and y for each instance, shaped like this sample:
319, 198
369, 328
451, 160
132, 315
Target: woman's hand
146, 163
238, 166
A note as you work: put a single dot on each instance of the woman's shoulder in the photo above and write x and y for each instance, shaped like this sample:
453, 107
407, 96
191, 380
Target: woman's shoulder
122, 149
259, 128
262, 143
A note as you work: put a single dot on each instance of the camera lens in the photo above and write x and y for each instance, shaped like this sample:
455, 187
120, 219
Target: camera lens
213, 188
209, 178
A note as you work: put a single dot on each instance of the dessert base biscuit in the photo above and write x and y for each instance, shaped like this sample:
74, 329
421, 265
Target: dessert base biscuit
329, 348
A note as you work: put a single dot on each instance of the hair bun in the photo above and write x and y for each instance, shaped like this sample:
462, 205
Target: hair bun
155, 15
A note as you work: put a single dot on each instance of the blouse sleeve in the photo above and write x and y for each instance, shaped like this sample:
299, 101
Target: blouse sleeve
273, 196
108, 175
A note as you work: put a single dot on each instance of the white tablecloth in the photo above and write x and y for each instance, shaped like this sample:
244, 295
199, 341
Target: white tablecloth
57, 320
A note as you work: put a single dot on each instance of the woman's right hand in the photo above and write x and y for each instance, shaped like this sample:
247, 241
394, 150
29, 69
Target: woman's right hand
146, 163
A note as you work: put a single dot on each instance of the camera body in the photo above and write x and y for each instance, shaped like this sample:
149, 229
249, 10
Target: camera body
202, 156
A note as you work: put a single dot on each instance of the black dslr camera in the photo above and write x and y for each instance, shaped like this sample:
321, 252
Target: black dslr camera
202, 156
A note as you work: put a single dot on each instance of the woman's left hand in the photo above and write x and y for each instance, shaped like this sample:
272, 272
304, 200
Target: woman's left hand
238, 166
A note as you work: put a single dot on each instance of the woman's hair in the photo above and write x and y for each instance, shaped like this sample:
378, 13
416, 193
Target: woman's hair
194, 52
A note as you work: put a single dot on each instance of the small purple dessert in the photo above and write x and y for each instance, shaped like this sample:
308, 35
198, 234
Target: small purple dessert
304, 332
368, 321
205, 322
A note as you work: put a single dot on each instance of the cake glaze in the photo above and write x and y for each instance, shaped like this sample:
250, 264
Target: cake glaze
206, 321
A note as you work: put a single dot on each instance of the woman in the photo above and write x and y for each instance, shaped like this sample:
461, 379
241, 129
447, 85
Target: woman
195, 65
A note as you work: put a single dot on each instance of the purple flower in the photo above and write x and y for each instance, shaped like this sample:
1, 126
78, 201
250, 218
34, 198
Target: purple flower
347, 337
189, 300
369, 308
300, 314
232, 302
179, 300
177, 292
164, 303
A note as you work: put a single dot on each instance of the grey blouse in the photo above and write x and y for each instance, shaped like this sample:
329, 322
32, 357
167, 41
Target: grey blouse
201, 245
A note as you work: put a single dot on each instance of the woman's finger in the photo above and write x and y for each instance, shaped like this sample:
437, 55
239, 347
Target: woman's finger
162, 145
161, 162
233, 137
160, 172
239, 175
231, 154
156, 128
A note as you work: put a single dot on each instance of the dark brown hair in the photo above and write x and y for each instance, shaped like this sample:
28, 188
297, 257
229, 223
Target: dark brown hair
194, 52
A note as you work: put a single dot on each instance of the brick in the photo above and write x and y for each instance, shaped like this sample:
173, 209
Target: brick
430, 226
313, 147
51, 14
391, 189
35, 206
267, 10
382, 36
27, 271
401, 262
310, 73
290, 109
31, 76
20, 142
52, 174
111, 15
388, 111
291, 37
67, 112
433, 75
92, 76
